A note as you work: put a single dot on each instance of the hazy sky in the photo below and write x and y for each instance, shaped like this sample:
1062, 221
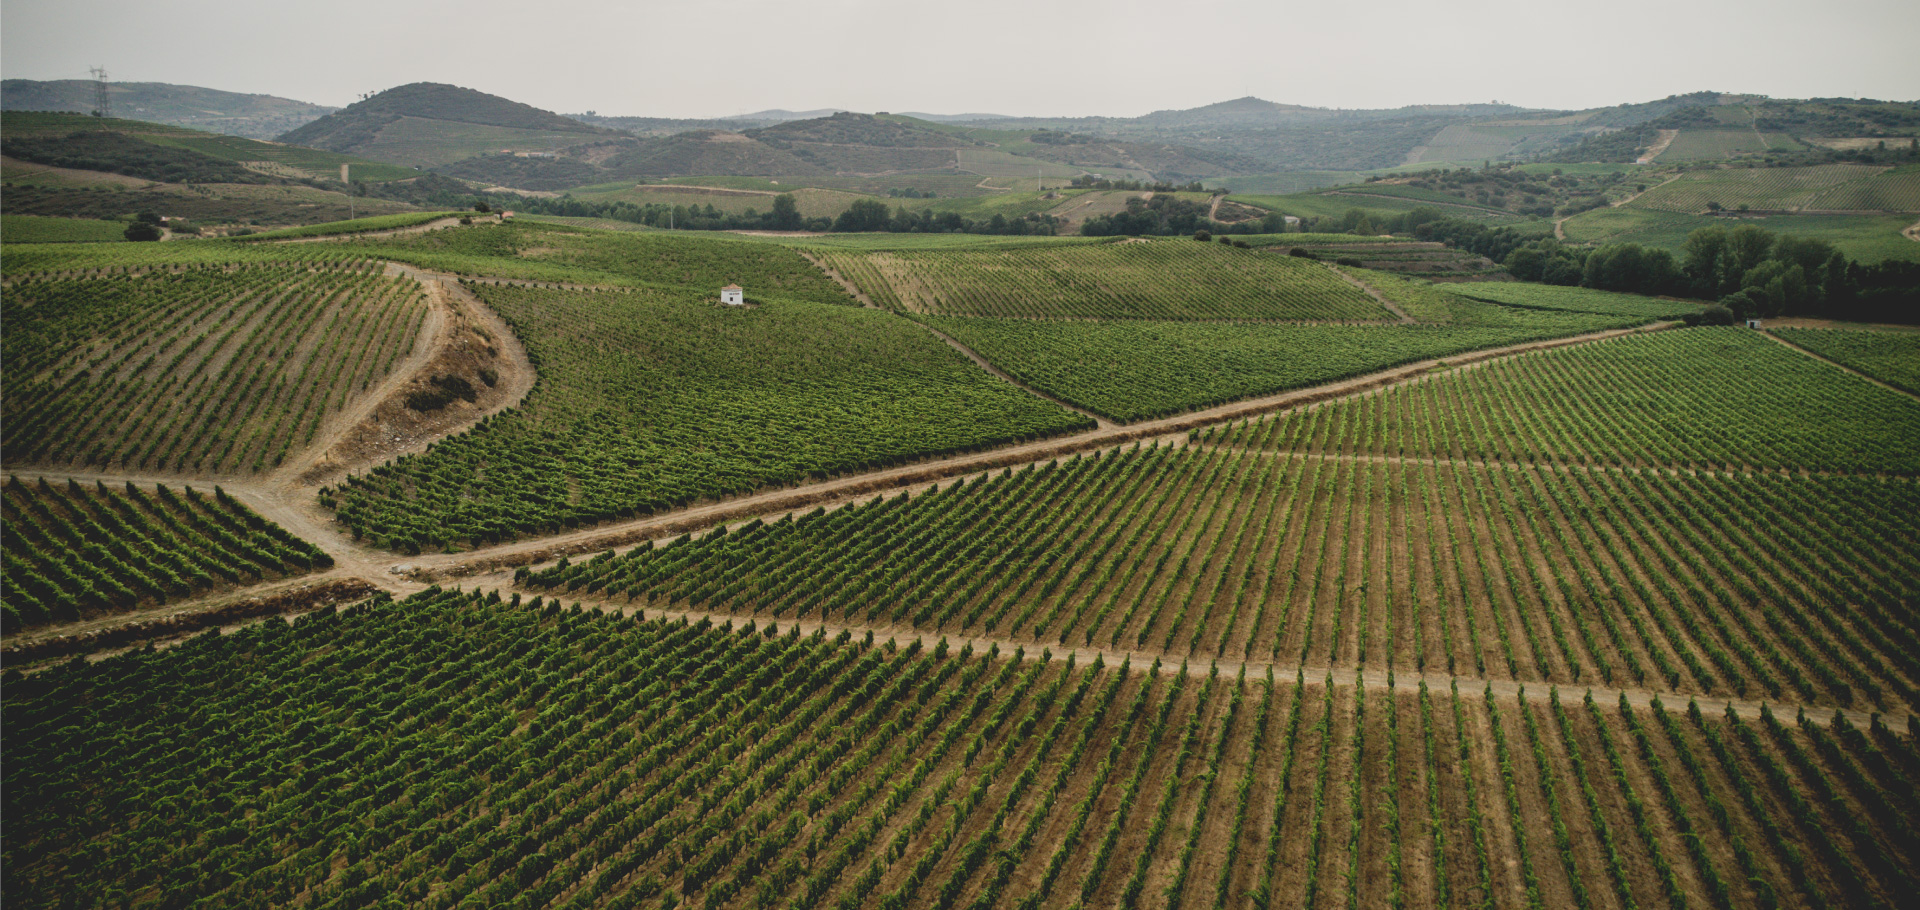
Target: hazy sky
1038, 57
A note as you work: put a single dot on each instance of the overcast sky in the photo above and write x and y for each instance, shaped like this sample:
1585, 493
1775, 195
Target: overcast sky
1025, 57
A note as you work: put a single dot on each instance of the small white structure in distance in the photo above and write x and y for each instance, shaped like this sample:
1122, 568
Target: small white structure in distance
732, 295
1753, 323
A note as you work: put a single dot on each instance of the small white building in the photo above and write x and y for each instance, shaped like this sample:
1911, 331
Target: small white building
732, 295
1753, 323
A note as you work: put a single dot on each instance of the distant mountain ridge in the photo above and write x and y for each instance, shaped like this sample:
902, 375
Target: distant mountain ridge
233, 113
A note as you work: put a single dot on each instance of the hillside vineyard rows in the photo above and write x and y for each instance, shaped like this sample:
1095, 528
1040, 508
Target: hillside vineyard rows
75, 551
1705, 399
1709, 585
650, 399
1625, 623
1167, 279
202, 370
453, 750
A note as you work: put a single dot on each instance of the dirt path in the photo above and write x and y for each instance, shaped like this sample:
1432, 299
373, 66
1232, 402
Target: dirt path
1841, 366
852, 289
1213, 209
1912, 232
1660, 145
1376, 295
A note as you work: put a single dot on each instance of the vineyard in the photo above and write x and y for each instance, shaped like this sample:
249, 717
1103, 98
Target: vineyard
1691, 583
1163, 279
74, 552
356, 226
38, 229
453, 750
1700, 399
1771, 188
650, 399
1891, 357
201, 370
1575, 299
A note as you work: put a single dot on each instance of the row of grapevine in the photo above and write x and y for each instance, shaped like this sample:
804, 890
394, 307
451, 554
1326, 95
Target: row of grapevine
1891, 357
1693, 583
651, 399
73, 552
455, 750
1165, 280
201, 371
1139, 369
1707, 398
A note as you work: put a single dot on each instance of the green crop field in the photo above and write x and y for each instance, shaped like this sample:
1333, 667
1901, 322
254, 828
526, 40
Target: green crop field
1333, 204
75, 552
1770, 188
1897, 190
1693, 144
40, 229
990, 163
1702, 399
202, 370
1891, 357
1577, 300
421, 142
1174, 278
1283, 184
650, 399
487, 754
1864, 238
1138, 369
355, 226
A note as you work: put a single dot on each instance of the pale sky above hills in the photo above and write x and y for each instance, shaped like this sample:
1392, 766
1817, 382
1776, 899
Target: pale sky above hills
1031, 57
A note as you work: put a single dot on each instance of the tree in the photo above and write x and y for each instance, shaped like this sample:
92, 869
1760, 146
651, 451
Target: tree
141, 230
786, 213
864, 215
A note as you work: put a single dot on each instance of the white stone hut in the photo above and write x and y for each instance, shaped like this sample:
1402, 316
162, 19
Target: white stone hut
732, 295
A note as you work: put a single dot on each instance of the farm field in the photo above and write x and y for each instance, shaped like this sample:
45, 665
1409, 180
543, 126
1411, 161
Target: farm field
1433, 260
1161, 279
1891, 357
1771, 188
653, 398
202, 203
1863, 238
469, 751
1214, 552
1695, 145
1749, 404
200, 371
355, 226
41, 229
75, 551
1136, 369
1335, 203
422, 142
1575, 299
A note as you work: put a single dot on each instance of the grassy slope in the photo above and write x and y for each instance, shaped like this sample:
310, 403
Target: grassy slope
38, 229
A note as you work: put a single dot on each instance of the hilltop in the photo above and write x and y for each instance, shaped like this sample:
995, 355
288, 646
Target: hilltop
233, 113
433, 123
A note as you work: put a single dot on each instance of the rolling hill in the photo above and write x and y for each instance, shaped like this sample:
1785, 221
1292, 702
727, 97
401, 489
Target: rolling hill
233, 113
426, 123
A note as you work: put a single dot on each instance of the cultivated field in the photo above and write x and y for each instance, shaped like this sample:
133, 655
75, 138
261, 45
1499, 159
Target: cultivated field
202, 371
468, 751
1892, 358
650, 399
75, 552
1162, 279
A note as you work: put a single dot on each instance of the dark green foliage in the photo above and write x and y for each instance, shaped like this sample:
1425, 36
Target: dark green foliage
142, 231
74, 552
116, 153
